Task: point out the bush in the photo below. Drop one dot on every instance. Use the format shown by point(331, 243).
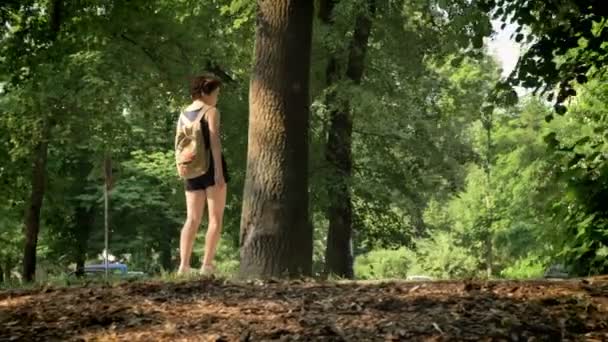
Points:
point(438, 256)
point(525, 268)
point(383, 264)
point(441, 256)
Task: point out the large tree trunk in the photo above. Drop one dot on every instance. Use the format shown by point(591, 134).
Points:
point(32, 215)
point(276, 234)
point(339, 253)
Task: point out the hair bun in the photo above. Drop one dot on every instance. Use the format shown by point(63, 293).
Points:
point(206, 87)
point(204, 84)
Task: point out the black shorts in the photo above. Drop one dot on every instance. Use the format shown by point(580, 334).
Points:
point(208, 179)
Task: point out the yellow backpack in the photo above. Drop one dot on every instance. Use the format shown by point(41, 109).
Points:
point(192, 156)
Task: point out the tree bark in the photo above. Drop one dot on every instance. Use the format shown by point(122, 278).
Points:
point(8, 267)
point(165, 244)
point(85, 218)
point(488, 239)
point(276, 233)
point(32, 215)
point(339, 252)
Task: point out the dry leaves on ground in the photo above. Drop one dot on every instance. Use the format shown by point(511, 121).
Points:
point(215, 310)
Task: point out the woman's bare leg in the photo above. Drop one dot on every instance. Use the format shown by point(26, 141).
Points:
point(216, 202)
point(195, 205)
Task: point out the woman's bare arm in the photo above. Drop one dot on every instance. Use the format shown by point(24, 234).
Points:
point(213, 117)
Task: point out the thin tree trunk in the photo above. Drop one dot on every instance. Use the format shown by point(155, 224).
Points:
point(32, 215)
point(489, 256)
point(8, 267)
point(339, 252)
point(165, 244)
point(276, 233)
point(85, 218)
point(1, 274)
point(489, 253)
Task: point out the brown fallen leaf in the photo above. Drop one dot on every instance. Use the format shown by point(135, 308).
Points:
point(223, 310)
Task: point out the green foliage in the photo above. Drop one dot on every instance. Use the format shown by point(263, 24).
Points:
point(407, 99)
point(445, 257)
point(108, 84)
point(438, 256)
point(581, 166)
point(439, 170)
point(384, 264)
point(545, 203)
point(525, 268)
point(507, 213)
point(567, 43)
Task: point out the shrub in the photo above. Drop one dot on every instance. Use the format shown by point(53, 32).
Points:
point(441, 256)
point(383, 264)
point(525, 268)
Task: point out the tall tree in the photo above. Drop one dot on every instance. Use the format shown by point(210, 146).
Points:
point(276, 234)
point(38, 180)
point(382, 119)
point(338, 150)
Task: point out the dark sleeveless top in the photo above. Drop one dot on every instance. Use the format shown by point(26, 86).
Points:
point(208, 179)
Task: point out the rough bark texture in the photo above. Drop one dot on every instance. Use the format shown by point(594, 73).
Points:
point(339, 253)
point(276, 234)
point(32, 215)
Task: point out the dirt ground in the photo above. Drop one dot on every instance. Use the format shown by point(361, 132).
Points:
point(217, 310)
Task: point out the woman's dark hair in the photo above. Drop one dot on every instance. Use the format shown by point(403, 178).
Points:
point(204, 84)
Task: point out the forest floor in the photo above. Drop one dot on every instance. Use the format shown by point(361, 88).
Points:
point(217, 310)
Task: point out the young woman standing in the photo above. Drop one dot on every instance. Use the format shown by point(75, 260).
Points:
point(211, 187)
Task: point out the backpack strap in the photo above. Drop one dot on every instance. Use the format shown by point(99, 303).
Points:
point(202, 112)
point(184, 119)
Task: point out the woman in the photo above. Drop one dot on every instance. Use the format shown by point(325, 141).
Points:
point(211, 186)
